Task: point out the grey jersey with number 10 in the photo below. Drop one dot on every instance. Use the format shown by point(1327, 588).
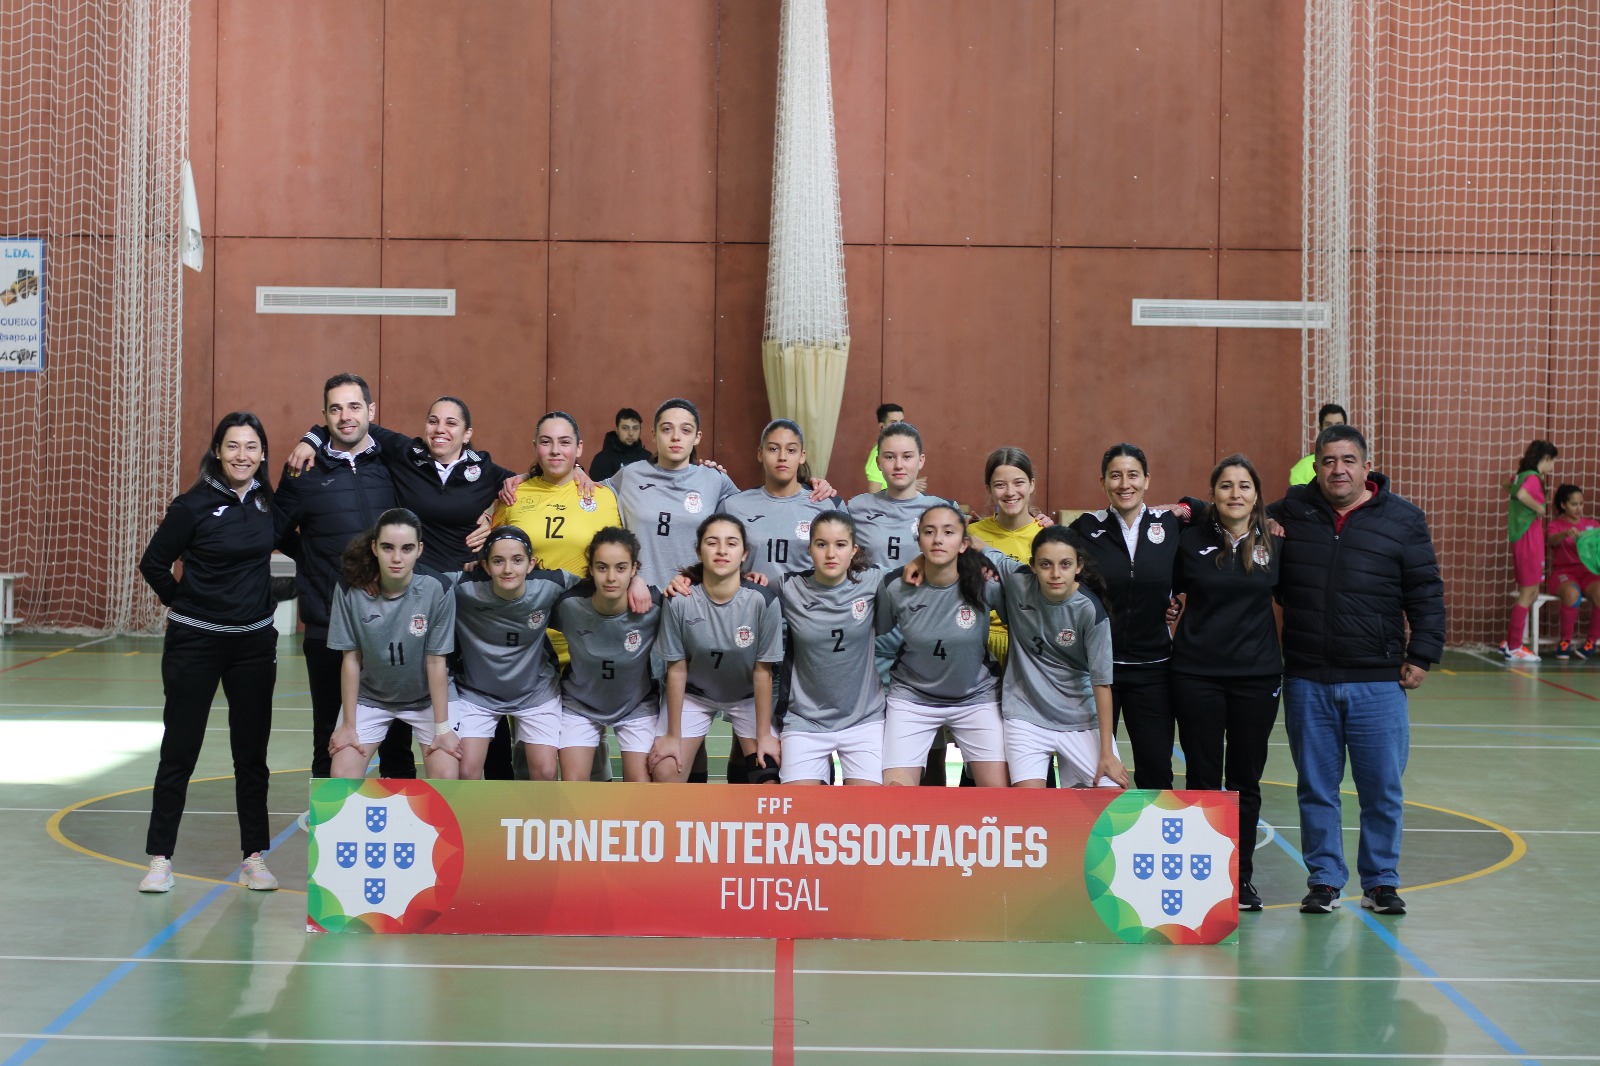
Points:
point(830, 681)
point(887, 529)
point(778, 529)
point(722, 642)
point(394, 637)
point(944, 660)
point(663, 508)
point(505, 659)
point(608, 679)
point(1059, 651)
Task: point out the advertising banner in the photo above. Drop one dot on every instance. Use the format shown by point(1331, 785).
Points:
point(593, 859)
point(21, 304)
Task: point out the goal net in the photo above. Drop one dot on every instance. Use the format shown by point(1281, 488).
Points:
point(1452, 210)
point(93, 128)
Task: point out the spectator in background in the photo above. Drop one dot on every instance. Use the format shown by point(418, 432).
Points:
point(1570, 579)
point(621, 447)
point(888, 415)
point(1305, 471)
point(1525, 518)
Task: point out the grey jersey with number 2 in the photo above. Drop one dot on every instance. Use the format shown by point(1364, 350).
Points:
point(944, 660)
point(395, 637)
point(1059, 651)
point(608, 679)
point(830, 681)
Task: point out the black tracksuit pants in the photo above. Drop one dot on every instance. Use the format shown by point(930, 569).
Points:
point(1224, 724)
point(1140, 699)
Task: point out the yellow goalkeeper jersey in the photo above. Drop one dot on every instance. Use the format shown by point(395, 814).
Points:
point(559, 521)
point(1017, 543)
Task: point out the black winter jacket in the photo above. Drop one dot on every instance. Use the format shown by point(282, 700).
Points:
point(1348, 596)
point(615, 455)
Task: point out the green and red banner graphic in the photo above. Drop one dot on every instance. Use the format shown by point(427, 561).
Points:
point(590, 859)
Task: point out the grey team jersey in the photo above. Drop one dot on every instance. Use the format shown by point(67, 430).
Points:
point(663, 508)
point(608, 678)
point(394, 637)
point(778, 528)
point(1059, 651)
point(830, 682)
point(887, 529)
point(505, 660)
point(722, 642)
point(944, 661)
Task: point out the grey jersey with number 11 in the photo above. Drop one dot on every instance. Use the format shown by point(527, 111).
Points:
point(1059, 651)
point(830, 681)
point(395, 637)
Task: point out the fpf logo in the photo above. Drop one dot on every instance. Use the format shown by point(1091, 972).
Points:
point(1159, 870)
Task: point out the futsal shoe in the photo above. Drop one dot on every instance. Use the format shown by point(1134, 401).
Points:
point(159, 879)
point(1585, 652)
point(1383, 899)
point(1519, 654)
point(1564, 650)
point(1249, 898)
point(253, 874)
point(1322, 899)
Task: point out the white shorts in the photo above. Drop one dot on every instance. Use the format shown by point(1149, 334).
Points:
point(1029, 747)
point(909, 729)
point(633, 734)
point(538, 724)
point(697, 718)
point(806, 755)
point(372, 723)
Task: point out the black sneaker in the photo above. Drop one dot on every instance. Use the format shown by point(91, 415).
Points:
point(1564, 650)
point(1322, 899)
point(1249, 898)
point(1384, 899)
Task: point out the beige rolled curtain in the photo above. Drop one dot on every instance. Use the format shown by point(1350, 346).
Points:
point(806, 383)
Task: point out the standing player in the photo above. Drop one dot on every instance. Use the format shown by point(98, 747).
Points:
point(942, 676)
point(1570, 580)
point(219, 631)
point(777, 516)
point(1525, 515)
point(395, 627)
point(608, 680)
point(886, 521)
point(720, 643)
point(1008, 476)
point(506, 667)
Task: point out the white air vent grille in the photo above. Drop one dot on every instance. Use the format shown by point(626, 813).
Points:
point(1234, 314)
point(324, 300)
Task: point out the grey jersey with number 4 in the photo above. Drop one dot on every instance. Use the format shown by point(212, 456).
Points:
point(663, 508)
point(830, 682)
point(394, 637)
point(505, 660)
point(608, 678)
point(944, 660)
point(1059, 651)
point(887, 529)
point(722, 642)
point(778, 529)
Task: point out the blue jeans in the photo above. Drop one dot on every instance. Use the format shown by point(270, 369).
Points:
point(1369, 720)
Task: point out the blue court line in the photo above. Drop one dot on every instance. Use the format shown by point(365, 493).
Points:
point(151, 946)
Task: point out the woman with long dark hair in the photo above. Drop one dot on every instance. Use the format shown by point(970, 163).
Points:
point(219, 632)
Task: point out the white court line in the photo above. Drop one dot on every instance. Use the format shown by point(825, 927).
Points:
point(529, 1045)
point(1484, 747)
point(799, 971)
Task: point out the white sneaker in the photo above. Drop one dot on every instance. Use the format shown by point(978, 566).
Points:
point(1523, 655)
point(159, 879)
point(253, 874)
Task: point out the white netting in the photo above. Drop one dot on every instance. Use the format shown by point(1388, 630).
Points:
point(93, 127)
point(1452, 210)
point(806, 339)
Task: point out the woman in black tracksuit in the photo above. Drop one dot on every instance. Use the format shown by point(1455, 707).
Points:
point(1227, 667)
point(219, 631)
point(1134, 548)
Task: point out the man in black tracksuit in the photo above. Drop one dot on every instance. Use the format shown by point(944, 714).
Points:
point(1359, 570)
point(342, 495)
point(622, 446)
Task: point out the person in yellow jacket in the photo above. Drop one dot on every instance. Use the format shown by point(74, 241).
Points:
point(1305, 471)
point(1008, 476)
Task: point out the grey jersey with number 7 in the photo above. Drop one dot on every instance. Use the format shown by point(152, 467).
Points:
point(608, 679)
point(505, 660)
point(1059, 651)
point(830, 682)
point(722, 642)
point(395, 637)
point(944, 660)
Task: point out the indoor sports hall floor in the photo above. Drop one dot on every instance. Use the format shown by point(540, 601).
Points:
point(1496, 962)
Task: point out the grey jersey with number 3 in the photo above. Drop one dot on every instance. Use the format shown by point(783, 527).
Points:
point(830, 682)
point(887, 529)
point(722, 642)
point(944, 660)
point(505, 659)
point(663, 508)
point(778, 529)
point(394, 637)
point(1059, 651)
point(608, 679)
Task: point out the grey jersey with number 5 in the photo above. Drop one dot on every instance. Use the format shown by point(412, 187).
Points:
point(394, 637)
point(887, 529)
point(722, 642)
point(608, 679)
point(830, 682)
point(1059, 651)
point(505, 660)
point(778, 529)
point(663, 508)
point(944, 661)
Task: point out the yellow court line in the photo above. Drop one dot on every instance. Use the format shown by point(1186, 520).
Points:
point(1442, 670)
point(1519, 847)
point(53, 827)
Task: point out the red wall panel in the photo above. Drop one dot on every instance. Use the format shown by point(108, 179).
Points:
point(1258, 370)
point(1263, 58)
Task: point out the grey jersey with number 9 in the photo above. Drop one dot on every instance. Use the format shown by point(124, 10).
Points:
point(830, 681)
point(505, 659)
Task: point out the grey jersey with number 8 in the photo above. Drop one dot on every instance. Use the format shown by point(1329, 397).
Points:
point(1059, 651)
point(608, 679)
point(663, 508)
point(944, 661)
point(722, 642)
point(830, 681)
point(394, 637)
point(505, 659)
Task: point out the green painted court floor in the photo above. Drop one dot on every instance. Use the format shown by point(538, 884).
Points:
point(1497, 961)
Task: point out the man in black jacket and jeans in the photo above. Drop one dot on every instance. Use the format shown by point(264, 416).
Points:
point(1358, 569)
point(340, 496)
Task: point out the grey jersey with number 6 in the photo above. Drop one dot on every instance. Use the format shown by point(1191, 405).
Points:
point(778, 529)
point(830, 682)
point(663, 508)
point(944, 661)
point(1059, 651)
point(505, 659)
point(722, 642)
point(887, 529)
point(394, 637)
point(608, 680)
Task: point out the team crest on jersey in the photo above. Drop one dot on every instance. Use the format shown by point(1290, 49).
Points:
point(803, 530)
point(419, 624)
point(590, 505)
point(473, 472)
point(632, 640)
point(1260, 555)
point(966, 616)
point(744, 637)
point(261, 505)
point(1156, 533)
point(858, 609)
point(536, 619)
point(692, 503)
point(1066, 638)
